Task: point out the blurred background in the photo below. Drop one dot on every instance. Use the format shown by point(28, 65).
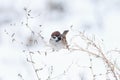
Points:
point(20, 20)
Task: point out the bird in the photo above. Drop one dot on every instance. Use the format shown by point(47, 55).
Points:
point(58, 41)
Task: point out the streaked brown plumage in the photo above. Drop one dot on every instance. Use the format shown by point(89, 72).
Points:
point(58, 40)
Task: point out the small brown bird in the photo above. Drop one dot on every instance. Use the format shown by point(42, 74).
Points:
point(58, 41)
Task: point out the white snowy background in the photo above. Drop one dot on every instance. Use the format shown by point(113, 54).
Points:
point(25, 29)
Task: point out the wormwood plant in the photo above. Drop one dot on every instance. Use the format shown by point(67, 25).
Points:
point(93, 48)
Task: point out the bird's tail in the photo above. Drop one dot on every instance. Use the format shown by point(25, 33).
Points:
point(65, 32)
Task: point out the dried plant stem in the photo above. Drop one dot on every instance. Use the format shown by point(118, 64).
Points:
point(64, 72)
point(110, 64)
point(103, 57)
point(31, 59)
point(91, 68)
point(99, 50)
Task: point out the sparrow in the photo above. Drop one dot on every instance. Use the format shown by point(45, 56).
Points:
point(58, 41)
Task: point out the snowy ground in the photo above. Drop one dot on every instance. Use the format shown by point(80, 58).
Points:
point(25, 29)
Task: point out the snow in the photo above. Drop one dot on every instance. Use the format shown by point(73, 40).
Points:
point(22, 51)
